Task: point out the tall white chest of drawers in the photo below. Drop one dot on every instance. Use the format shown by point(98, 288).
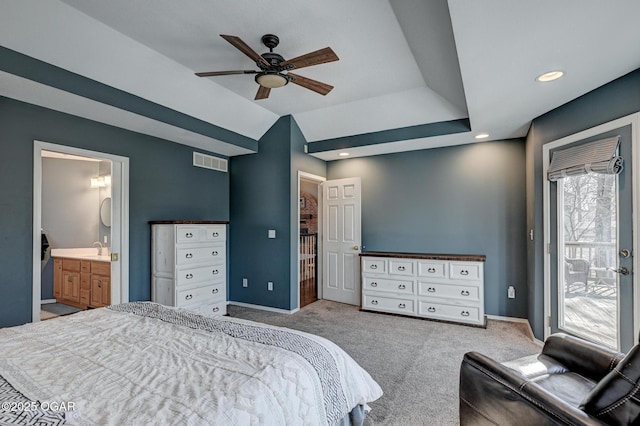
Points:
point(443, 287)
point(189, 265)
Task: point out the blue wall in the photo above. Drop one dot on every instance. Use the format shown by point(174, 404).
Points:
point(163, 185)
point(264, 196)
point(614, 100)
point(466, 200)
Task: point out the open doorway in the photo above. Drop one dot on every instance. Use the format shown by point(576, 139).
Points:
point(308, 232)
point(80, 247)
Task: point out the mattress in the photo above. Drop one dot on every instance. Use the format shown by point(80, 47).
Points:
point(144, 363)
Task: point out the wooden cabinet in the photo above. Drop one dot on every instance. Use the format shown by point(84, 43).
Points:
point(443, 287)
point(82, 283)
point(188, 265)
point(57, 278)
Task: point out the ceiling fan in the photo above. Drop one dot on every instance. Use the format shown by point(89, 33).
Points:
point(274, 70)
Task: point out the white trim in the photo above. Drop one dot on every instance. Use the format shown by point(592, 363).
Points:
point(120, 269)
point(319, 180)
point(632, 120)
point(264, 308)
point(47, 301)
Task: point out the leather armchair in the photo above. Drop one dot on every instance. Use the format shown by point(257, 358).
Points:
point(571, 382)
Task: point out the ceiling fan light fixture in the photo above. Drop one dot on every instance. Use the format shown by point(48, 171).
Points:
point(271, 80)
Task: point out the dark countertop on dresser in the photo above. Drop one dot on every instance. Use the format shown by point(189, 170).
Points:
point(431, 256)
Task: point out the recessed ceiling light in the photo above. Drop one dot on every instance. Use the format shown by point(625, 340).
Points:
point(344, 154)
point(482, 135)
point(550, 76)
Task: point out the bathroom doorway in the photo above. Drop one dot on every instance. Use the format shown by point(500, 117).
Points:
point(80, 223)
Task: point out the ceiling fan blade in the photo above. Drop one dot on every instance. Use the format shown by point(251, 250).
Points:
point(321, 56)
point(244, 48)
point(263, 93)
point(310, 84)
point(214, 73)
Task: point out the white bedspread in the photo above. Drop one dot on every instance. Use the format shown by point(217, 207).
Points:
point(143, 363)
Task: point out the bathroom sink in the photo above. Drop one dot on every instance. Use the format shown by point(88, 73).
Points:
point(88, 253)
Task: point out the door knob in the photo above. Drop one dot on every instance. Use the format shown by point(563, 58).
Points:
point(356, 247)
point(621, 271)
point(625, 253)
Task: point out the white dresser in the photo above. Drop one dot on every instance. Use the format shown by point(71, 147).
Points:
point(443, 287)
point(189, 265)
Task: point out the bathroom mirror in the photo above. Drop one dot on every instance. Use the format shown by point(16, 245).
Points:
point(105, 212)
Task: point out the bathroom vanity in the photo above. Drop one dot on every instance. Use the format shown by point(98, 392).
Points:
point(81, 280)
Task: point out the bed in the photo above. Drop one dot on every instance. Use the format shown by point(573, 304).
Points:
point(145, 363)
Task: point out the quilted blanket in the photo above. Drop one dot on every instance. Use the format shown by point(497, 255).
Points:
point(144, 363)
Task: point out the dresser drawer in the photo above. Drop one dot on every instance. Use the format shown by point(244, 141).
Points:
point(427, 308)
point(218, 308)
point(209, 254)
point(200, 274)
point(388, 304)
point(465, 271)
point(388, 285)
point(432, 269)
point(461, 292)
point(402, 267)
point(189, 234)
point(215, 233)
point(198, 295)
point(374, 266)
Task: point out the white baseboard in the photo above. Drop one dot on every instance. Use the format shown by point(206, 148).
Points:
point(518, 320)
point(264, 308)
point(47, 301)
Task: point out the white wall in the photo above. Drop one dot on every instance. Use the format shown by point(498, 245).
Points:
point(70, 207)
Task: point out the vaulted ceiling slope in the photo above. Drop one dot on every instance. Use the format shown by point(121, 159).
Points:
point(412, 74)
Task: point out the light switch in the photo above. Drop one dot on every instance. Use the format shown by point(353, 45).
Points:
point(272, 233)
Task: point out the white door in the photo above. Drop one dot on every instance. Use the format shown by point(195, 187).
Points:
point(341, 240)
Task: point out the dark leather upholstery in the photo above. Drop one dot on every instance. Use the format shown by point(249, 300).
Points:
point(571, 382)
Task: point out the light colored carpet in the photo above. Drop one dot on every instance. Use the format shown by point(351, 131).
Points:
point(416, 362)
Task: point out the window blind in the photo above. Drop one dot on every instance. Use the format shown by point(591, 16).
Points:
point(599, 156)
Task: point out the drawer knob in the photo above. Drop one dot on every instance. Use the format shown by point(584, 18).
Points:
point(373, 267)
point(215, 234)
point(374, 284)
point(188, 255)
point(431, 309)
point(402, 286)
point(216, 309)
point(464, 292)
point(188, 297)
point(402, 306)
point(374, 302)
point(431, 290)
point(189, 276)
point(214, 253)
point(464, 272)
point(401, 268)
point(188, 235)
point(215, 272)
point(464, 313)
point(214, 291)
point(431, 270)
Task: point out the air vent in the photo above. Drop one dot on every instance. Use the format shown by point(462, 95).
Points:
point(209, 162)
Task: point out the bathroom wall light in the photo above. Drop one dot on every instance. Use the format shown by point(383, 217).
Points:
point(101, 181)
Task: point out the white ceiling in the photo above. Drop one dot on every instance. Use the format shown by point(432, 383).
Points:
point(402, 62)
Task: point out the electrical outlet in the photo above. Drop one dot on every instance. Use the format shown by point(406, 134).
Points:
point(245, 282)
point(511, 292)
point(270, 286)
